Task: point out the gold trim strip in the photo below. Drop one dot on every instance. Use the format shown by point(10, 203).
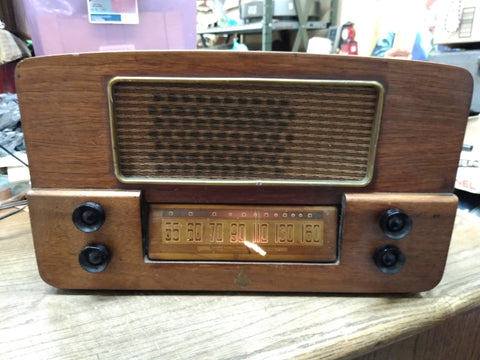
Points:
point(256, 182)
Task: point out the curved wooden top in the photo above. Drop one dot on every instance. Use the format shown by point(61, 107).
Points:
point(64, 107)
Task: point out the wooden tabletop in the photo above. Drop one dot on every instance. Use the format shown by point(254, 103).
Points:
point(41, 322)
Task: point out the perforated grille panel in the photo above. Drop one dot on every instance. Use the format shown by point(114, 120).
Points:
point(243, 130)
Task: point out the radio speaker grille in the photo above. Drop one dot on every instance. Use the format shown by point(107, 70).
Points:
point(181, 130)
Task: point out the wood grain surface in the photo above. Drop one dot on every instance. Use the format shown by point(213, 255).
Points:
point(64, 107)
point(454, 339)
point(41, 322)
point(58, 243)
point(64, 102)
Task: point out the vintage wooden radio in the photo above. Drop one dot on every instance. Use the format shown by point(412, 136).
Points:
point(242, 171)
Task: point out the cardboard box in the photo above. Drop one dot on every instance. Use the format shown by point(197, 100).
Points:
point(468, 175)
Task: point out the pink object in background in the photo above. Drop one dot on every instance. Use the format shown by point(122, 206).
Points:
point(62, 27)
point(123, 5)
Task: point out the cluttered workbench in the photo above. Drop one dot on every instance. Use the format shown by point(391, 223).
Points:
point(42, 322)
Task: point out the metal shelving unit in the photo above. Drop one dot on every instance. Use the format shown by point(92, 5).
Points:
point(269, 25)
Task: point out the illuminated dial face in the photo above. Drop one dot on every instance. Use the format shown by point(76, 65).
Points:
point(345, 34)
point(195, 232)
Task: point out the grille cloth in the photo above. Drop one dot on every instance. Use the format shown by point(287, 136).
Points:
point(243, 130)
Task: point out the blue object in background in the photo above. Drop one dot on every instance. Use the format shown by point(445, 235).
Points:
point(239, 46)
point(386, 42)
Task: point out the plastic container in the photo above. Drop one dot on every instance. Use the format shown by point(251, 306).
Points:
point(62, 27)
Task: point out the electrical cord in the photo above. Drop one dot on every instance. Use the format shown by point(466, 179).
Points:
point(12, 212)
point(16, 157)
point(12, 204)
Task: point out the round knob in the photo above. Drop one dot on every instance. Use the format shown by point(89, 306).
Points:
point(94, 258)
point(389, 259)
point(88, 217)
point(395, 223)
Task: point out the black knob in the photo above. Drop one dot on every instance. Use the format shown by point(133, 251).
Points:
point(94, 258)
point(389, 259)
point(88, 217)
point(395, 223)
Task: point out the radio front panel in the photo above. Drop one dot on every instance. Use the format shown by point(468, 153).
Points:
point(242, 171)
point(354, 255)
